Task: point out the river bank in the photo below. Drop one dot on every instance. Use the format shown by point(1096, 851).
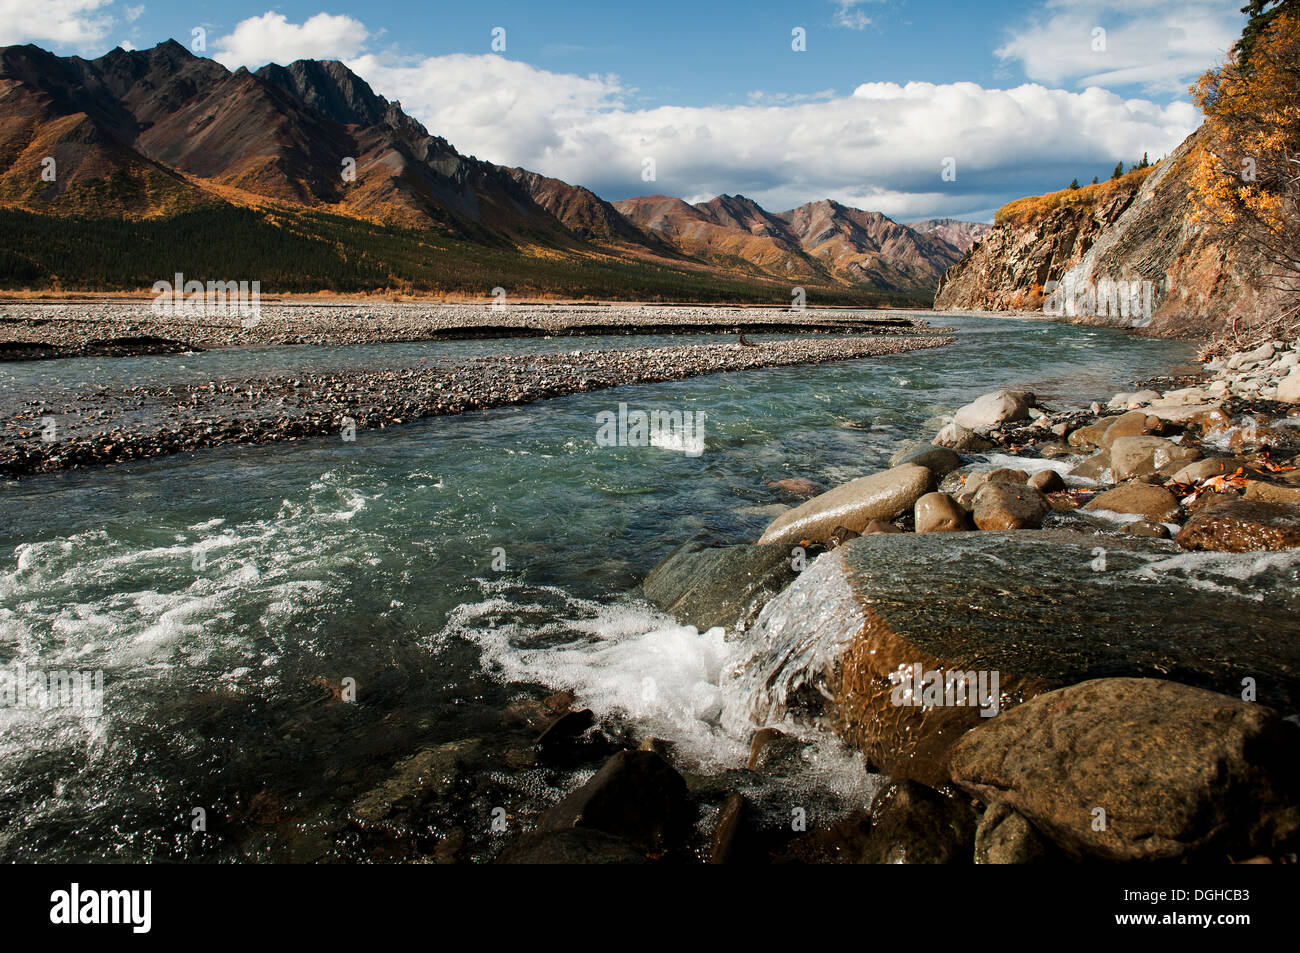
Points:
point(1126, 687)
point(461, 571)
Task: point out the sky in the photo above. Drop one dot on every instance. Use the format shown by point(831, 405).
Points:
point(915, 108)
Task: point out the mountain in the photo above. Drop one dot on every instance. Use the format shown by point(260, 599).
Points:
point(165, 137)
point(817, 241)
point(1134, 230)
point(858, 246)
point(960, 235)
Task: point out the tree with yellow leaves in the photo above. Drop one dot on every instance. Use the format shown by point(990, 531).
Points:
point(1246, 176)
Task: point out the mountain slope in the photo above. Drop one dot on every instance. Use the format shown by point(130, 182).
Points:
point(158, 134)
point(1138, 229)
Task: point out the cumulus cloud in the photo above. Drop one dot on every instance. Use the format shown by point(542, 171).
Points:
point(882, 147)
point(76, 23)
point(1154, 44)
point(271, 38)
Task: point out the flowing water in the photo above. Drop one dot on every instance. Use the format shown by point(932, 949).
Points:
point(448, 568)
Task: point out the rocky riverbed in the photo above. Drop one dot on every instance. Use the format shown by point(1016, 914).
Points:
point(1059, 633)
point(55, 432)
point(31, 331)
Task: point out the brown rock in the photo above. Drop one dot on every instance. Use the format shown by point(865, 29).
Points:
point(731, 817)
point(878, 526)
point(1135, 456)
point(1179, 772)
point(1242, 526)
point(1004, 837)
point(1000, 506)
point(1088, 437)
point(798, 486)
point(1047, 481)
point(1154, 502)
point(853, 505)
point(1135, 423)
point(939, 513)
point(1148, 529)
point(1096, 468)
point(1272, 492)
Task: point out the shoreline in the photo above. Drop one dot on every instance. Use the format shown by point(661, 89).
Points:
point(55, 331)
point(268, 410)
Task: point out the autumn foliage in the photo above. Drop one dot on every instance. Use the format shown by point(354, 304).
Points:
point(1034, 208)
point(1246, 175)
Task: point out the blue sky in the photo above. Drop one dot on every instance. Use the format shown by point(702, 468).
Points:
point(1019, 96)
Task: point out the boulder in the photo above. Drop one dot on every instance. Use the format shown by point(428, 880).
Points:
point(961, 439)
point(879, 526)
point(939, 513)
point(1179, 772)
point(1135, 423)
point(706, 586)
point(1242, 526)
point(1000, 506)
point(1137, 456)
point(990, 410)
point(1088, 437)
point(852, 505)
point(938, 460)
point(636, 796)
point(1153, 502)
point(1042, 610)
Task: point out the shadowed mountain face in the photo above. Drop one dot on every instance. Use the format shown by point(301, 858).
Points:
point(155, 133)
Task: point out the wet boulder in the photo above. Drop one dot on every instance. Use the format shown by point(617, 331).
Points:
point(938, 460)
point(915, 824)
point(853, 505)
point(1015, 614)
point(706, 586)
point(1142, 499)
point(1137, 456)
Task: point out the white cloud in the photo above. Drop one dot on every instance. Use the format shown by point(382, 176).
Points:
point(848, 15)
point(1159, 46)
point(76, 23)
point(879, 148)
point(133, 13)
point(271, 38)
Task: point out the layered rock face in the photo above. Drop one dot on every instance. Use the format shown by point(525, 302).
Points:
point(1142, 238)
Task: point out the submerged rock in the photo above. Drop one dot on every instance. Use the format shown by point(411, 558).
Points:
point(636, 796)
point(1140, 769)
point(879, 496)
point(915, 824)
point(707, 586)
